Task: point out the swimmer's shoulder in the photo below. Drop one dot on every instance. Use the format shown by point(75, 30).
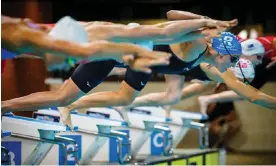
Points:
point(190, 48)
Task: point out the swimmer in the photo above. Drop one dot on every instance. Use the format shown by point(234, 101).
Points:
point(89, 75)
point(222, 53)
point(21, 36)
point(202, 82)
point(262, 53)
point(181, 62)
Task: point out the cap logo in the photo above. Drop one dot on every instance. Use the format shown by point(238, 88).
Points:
point(243, 65)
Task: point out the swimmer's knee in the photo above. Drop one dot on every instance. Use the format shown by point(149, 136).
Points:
point(126, 99)
point(64, 99)
point(126, 94)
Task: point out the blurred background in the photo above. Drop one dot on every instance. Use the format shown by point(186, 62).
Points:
point(254, 143)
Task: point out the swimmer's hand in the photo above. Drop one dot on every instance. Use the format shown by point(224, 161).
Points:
point(226, 25)
point(143, 61)
point(221, 25)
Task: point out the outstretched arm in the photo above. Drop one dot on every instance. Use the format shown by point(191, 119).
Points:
point(171, 96)
point(184, 15)
point(162, 31)
point(246, 91)
point(20, 38)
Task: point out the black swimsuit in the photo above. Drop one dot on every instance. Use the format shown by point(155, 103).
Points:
point(176, 66)
point(89, 75)
point(137, 80)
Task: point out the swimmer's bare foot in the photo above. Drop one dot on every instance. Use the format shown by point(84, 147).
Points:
point(203, 102)
point(123, 113)
point(65, 116)
point(82, 111)
point(167, 111)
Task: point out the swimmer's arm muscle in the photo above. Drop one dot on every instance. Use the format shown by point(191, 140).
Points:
point(228, 77)
point(41, 42)
point(92, 51)
point(184, 38)
point(153, 33)
point(182, 15)
point(248, 92)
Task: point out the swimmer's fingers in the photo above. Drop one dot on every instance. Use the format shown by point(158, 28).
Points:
point(145, 70)
point(234, 22)
point(157, 62)
point(139, 65)
point(226, 25)
point(210, 23)
point(128, 59)
point(144, 64)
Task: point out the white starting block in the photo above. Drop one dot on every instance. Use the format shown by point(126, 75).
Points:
point(32, 141)
point(182, 121)
point(94, 133)
point(148, 137)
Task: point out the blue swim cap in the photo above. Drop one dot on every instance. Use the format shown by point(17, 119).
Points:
point(227, 44)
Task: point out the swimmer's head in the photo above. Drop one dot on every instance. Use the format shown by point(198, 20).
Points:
point(70, 30)
point(253, 50)
point(244, 70)
point(226, 49)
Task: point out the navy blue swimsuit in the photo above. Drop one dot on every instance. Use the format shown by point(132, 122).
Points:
point(89, 75)
point(176, 66)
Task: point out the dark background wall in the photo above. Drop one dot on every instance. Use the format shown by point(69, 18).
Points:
point(250, 12)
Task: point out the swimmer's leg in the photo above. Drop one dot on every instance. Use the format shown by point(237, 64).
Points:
point(123, 97)
point(63, 96)
point(87, 77)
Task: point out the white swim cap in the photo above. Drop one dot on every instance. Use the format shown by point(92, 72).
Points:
point(145, 44)
point(69, 29)
point(247, 69)
point(133, 24)
point(252, 47)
